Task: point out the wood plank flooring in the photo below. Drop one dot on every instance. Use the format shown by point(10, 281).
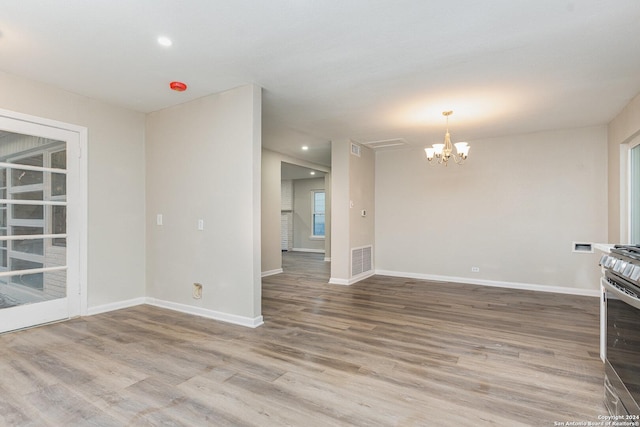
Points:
point(382, 352)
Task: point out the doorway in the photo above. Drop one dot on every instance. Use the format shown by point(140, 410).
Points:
point(42, 219)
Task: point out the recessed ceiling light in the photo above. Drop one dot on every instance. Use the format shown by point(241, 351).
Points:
point(164, 41)
point(305, 148)
point(312, 173)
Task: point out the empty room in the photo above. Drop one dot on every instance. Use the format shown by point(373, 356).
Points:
point(355, 213)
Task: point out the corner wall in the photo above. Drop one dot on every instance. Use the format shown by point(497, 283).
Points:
point(204, 163)
point(116, 169)
point(352, 191)
point(512, 210)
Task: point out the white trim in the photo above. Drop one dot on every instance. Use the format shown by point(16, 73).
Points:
point(183, 308)
point(32, 202)
point(210, 314)
point(33, 236)
point(91, 311)
point(83, 216)
point(271, 272)
point(494, 283)
point(31, 168)
point(10, 273)
point(77, 187)
point(315, 251)
point(354, 279)
point(327, 259)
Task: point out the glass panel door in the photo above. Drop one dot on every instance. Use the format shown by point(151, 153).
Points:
point(34, 266)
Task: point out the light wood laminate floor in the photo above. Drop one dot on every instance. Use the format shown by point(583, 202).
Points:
point(382, 352)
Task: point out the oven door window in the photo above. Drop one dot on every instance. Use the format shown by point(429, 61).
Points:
point(634, 195)
point(623, 343)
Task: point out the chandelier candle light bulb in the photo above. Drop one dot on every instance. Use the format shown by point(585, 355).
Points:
point(443, 152)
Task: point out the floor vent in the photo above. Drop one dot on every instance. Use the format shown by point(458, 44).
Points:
point(361, 260)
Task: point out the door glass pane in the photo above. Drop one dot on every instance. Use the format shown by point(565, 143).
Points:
point(29, 280)
point(27, 211)
point(59, 180)
point(31, 246)
point(20, 177)
point(59, 224)
point(3, 250)
point(35, 186)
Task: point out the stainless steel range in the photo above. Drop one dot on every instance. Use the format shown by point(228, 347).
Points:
point(621, 281)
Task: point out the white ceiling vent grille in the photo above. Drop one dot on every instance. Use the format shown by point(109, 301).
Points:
point(361, 260)
point(386, 143)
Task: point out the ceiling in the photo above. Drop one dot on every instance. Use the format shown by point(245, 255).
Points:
point(291, 171)
point(369, 70)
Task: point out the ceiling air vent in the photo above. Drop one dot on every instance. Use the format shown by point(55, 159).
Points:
point(386, 143)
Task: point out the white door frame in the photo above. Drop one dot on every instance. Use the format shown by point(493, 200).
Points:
point(29, 125)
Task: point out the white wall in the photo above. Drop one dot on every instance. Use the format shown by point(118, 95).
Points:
point(622, 130)
point(116, 232)
point(302, 214)
point(513, 210)
point(204, 162)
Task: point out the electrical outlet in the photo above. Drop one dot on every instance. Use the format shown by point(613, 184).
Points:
point(197, 291)
point(475, 269)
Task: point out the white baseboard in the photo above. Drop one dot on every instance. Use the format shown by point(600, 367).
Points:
point(210, 314)
point(315, 251)
point(351, 281)
point(494, 283)
point(115, 306)
point(271, 272)
point(183, 308)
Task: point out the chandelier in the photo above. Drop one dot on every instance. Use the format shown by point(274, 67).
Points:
point(444, 152)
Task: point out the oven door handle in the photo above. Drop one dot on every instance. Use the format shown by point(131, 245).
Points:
point(634, 302)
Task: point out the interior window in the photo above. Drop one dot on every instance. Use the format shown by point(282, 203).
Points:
point(318, 213)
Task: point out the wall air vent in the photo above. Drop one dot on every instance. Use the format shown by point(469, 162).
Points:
point(361, 260)
point(355, 149)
